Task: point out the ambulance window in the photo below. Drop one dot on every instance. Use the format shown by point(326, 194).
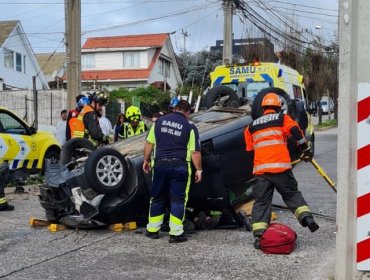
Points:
point(256, 87)
point(297, 92)
point(11, 125)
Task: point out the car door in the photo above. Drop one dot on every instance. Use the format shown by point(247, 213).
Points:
point(16, 142)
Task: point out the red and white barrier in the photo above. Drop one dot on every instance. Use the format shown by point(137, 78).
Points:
point(363, 177)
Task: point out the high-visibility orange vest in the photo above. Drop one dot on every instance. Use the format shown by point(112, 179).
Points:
point(72, 121)
point(79, 130)
point(267, 136)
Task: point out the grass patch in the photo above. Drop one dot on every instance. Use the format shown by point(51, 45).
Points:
point(327, 124)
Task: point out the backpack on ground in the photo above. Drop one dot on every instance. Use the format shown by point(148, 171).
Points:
point(278, 239)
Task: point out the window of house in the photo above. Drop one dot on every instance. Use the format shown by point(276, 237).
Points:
point(131, 60)
point(164, 67)
point(88, 60)
point(14, 60)
point(8, 58)
point(24, 64)
point(18, 62)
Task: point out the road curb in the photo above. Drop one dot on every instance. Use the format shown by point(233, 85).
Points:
point(325, 128)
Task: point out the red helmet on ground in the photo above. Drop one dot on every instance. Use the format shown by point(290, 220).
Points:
point(271, 100)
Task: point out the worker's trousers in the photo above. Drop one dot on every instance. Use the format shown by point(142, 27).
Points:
point(171, 178)
point(263, 191)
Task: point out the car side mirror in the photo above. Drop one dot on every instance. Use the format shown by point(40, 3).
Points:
point(33, 130)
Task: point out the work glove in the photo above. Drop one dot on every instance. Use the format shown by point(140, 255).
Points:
point(307, 154)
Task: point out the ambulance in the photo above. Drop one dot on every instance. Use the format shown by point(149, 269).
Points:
point(236, 85)
point(248, 80)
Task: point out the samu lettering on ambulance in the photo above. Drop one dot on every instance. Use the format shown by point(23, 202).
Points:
point(242, 70)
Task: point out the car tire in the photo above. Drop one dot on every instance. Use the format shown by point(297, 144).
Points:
point(99, 172)
point(257, 109)
point(213, 96)
point(69, 150)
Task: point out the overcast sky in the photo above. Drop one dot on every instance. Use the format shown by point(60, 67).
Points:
point(43, 20)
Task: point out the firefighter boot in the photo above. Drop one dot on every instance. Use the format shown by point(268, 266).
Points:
point(178, 238)
point(152, 235)
point(310, 223)
point(257, 244)
point(6, 207)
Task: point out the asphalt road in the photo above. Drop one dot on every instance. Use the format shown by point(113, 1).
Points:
point(35, 253)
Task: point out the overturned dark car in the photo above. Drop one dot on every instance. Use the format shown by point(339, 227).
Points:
point(96, 187)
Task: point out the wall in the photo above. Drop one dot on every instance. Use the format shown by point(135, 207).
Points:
point(50, 103)
point(114, 60)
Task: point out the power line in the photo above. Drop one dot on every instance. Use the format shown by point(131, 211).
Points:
point(299, 5)
point(134, 23)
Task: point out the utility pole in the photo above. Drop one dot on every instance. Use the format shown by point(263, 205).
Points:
point(185, 34)
point(73, 49)
point(227, 54)
point(354, 57)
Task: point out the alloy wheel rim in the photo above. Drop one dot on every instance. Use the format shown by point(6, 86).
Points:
point(109, 170)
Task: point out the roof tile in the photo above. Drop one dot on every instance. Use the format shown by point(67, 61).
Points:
point(146, 40)
point(115, 74)
point(6, 27)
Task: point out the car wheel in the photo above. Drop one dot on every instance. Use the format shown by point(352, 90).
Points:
point(221, 96)
point(288, 103)
point(105, 170)
point(75, 148)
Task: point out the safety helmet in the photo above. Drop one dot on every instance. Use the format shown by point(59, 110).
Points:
point(99, 97)
point(271, 100)
point(83, 101)
point(133, 113)
point(174, 101)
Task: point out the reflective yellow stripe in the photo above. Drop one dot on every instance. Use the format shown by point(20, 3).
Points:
point(175, 226)
point(2, 200)
point(271, 165)
point(301, 210)
point(259, 226)
point(268, 143)
point(155, 223)
point(78, 134)
point(267, 133)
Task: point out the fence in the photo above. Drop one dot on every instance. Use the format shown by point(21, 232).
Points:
point(50, 103)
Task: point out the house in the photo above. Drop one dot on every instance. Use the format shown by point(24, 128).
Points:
point(17, 60)
point(53, 66)
point(129, 62)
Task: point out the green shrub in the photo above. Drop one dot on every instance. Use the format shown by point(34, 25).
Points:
point(152, 100)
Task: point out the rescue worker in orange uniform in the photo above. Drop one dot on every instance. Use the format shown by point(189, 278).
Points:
point(81, 101)
point(88, 123)
point(267, 136)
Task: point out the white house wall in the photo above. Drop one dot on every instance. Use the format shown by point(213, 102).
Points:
point(12, 77)
point(174, 80)
point(114, 60)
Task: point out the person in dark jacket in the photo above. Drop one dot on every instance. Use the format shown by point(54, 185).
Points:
point(174, 141)
point(118, 126)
